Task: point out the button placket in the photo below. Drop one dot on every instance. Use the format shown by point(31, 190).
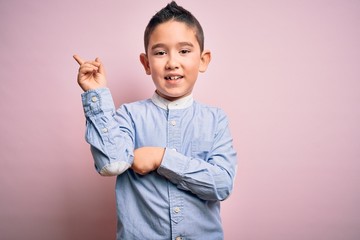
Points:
point(175, 198)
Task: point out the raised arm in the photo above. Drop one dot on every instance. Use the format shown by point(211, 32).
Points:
point(109, 134)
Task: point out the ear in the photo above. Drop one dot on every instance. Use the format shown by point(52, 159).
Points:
point(205, 59)
point(145, 62)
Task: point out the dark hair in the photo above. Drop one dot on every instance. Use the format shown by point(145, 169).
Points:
point(172, 11)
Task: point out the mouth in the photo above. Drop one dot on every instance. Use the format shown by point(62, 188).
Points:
point(173, 77)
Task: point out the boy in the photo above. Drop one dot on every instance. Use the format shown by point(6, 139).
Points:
point(173, 157)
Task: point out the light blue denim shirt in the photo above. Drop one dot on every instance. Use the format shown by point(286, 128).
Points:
point(181, 199)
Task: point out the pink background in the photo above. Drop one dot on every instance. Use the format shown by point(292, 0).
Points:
point(286, 72)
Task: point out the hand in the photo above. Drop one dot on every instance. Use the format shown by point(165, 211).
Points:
point(147, 159)
point(91, 74)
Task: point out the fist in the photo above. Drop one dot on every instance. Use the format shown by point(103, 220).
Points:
point(147, 159)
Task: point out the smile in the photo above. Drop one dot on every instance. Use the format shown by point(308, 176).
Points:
point(173, 77)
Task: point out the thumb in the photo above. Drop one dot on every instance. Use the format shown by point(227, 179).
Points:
point(101, 67)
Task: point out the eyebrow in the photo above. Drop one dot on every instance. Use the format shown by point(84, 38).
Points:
point(189, 44)
point(181, 44)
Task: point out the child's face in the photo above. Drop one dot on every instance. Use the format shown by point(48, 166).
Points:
point(174, 59)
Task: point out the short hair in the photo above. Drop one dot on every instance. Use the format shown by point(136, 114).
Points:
point(172, 11)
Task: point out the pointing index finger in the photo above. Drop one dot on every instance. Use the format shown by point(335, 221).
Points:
point(78, 59)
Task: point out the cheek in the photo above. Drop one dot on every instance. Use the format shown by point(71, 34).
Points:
point(193, 69)
point(156, 64)
point(194, 63)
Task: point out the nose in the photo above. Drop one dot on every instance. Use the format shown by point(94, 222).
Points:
point(172, 62)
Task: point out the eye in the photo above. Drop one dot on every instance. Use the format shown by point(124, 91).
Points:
point(160, 53)
point(184, 51)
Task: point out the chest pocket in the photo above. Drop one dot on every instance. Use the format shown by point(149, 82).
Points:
point(201, 149)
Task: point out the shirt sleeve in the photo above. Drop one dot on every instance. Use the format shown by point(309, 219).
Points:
point(209, 180)
point(108, 132)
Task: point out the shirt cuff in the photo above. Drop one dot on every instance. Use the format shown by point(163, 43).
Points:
point(97, 101)
point(173, 165)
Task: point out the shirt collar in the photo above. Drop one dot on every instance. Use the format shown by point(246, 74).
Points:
point(163, 103)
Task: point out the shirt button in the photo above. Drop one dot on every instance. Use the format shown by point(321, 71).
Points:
point(177, 210)
point(94, 99)
point(173, 122)
point(104, 130)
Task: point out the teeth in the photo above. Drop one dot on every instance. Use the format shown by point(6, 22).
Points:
point(173, 78)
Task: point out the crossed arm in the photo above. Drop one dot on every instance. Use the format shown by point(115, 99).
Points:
point(212, 180)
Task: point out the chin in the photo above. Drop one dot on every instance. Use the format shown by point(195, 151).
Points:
point(176, 95)
point(171, 94)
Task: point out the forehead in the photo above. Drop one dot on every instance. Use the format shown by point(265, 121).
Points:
point(172, 32)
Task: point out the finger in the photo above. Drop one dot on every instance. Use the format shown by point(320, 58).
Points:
point(88, 69)
point(101, 66)
point(78, 59)
point(91, 63)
